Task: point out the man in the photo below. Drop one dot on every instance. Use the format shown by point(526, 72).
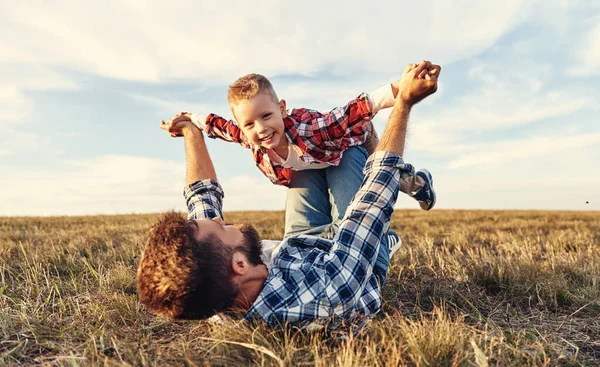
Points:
point(199, 267)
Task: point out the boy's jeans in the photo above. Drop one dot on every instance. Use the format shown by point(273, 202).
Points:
point(317, 199)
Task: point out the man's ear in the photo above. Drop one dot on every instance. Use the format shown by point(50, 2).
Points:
point(282, 108)
point(239, 263)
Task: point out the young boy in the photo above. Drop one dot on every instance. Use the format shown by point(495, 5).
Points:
point(283, 140)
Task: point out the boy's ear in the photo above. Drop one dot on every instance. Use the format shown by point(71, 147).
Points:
point(282, 108)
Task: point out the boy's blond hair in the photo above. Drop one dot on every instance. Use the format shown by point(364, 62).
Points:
point(248, 86)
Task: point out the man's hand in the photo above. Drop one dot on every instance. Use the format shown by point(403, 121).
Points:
point(423, 75)
point(418, 82)
point(198, 163)
point(177, 124)
point(424, 71)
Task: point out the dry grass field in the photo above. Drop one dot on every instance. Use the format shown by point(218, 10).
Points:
point(468, 288)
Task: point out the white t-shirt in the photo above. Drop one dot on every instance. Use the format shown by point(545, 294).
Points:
point(293, 160)
point(270, 249)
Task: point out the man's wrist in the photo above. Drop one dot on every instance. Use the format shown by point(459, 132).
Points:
point(403, 103)
point(190, 129)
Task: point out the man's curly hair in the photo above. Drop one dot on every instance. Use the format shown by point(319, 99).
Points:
point(181, 278)
point(248, 86)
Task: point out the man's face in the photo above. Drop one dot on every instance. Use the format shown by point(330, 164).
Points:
point(242, 238)
point(261, 120)
point(229, 235)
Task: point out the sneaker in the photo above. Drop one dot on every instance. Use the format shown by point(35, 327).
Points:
point(394, 243)
point(426, 194)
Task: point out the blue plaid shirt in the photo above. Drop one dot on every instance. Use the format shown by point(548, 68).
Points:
point(314, 278)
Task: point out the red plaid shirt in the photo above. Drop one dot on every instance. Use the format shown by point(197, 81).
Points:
point(321, 137)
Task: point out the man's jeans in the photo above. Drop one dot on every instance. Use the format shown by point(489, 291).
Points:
point(317, 199)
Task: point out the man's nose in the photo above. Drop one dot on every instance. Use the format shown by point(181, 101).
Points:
point(218, 220)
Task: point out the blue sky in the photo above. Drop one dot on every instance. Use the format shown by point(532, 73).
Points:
point(514, 124)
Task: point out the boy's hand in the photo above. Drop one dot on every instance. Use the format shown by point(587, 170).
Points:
point(177, 124)
point(418, 82)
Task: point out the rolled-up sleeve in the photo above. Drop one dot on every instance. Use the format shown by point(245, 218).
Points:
point(204, 199)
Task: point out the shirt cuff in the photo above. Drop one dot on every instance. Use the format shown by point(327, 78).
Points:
point(201, 187)
point(381, 98)
point(198, 120)
point(385, 159)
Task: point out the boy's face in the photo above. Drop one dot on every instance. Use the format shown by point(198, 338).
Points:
point(261, 120)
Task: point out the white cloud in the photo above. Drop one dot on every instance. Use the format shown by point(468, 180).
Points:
point(135, 41)
point(169, 107)
point(504, 153)
point(589, 54)
point(514, 94)
point(17, 80)
point(15, 106)
point(550, 173)
point(249, 193)
point(502, 97)
point(212, 43)
point(120, 184)
point(555, 172)
point(505, 110)
point(14, 141)
point(109, 184)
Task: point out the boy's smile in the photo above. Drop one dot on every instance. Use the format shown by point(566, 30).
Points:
point(261, 120)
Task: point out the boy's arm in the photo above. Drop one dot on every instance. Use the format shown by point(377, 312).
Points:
point(340, 122)
point(347, 121)
point(384, 96)
point(380, 98)
point(215, 127)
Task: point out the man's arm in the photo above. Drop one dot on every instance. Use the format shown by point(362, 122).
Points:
point(357, 242)
point(199, 166)
point(417, 83)
point(203, 193)
point(394, 136)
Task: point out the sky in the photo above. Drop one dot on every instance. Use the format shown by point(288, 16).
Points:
point(84, 85)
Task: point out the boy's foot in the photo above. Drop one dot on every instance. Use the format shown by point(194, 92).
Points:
point(426, 194)
point(371, 143)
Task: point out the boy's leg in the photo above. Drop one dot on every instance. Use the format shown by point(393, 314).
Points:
point(307, 208)
point(419, 186)
point(371, 143)
point(344, 181)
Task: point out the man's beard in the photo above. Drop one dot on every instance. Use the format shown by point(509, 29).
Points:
point(251, 245)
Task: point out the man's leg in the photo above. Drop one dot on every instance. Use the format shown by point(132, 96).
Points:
point(307, 208)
